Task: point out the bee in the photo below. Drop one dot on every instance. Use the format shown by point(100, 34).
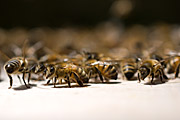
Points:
point(128, 68)
point(92, 55)
point(17, 66)
point(104, 70)
point(95, 56)
point(172, 65)
point(66, 71)
point(151, 68)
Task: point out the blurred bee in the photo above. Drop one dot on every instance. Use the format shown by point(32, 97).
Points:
point(66, 71)
point(92, 55)
point(95, 55)
point(172, 65)
point(151, 68)
point(17, 65)
point(104, 70)
point(128, 68)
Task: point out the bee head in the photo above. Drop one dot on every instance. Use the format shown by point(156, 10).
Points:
point(10, 68)
point(40, 68)
point(144, 72)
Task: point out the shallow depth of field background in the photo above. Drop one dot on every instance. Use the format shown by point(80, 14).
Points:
point(64, 26)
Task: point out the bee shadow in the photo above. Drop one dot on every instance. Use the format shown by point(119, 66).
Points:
point(1, 80)
point(156, 82)
point(37, 79)
point(133, 79)
point(73, 86)
point(23, 87)
point(105, 82)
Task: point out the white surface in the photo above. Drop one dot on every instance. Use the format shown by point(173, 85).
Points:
point(126, 100)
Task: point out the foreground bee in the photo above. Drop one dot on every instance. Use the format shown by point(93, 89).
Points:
point(17, 66)
point(151, 68)
point(66, 71)
point(128, 68)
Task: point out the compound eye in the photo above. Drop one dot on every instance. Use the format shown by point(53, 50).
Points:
point(42, 66)
point(52, 69)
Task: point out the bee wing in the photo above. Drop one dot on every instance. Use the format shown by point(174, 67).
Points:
point(4, 55)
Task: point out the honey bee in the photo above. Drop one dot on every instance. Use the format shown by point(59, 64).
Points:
point(128, 68)
point(95, 56)
point(173, 64)
point(66, 71)
point(17, 66)
point(151, 68)
point(104, 70)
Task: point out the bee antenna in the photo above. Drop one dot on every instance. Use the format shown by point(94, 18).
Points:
point(4, 55)
point(24, 49)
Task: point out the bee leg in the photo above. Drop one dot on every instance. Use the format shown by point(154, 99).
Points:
point(77, 79)
point(55, 79)
point(60, 81)
point(89, 74)
point(152, 78)
point(99, 73)
point(68, 81)
point(11, 81)
point(163, 74)
point(24, 80)
point(48, 82)
point(177, 71)
point(19, 79)
point(139, 78)
point(160, 74)
point(29, 76)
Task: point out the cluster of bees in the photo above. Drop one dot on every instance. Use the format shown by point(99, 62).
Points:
point(81, 66)
point(57, 55)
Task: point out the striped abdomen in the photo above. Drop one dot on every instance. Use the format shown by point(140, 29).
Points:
point(128, 70)
point(82, 74)
point(12, 66)
point(108, 71)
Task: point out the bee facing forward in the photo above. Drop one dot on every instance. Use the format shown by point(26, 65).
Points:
point(17, 66)
point(151, 68)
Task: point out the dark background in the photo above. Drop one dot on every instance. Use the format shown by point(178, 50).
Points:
point(57, 13)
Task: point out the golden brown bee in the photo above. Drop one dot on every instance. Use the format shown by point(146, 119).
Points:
point(92, 55)
point(95, 56)
point(151, 68)
point(104, 70)
point(128, 68)
point(173, 64)
point(17, 66)
point(66, 71)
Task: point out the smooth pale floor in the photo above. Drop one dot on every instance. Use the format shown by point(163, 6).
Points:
point(118, 100)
